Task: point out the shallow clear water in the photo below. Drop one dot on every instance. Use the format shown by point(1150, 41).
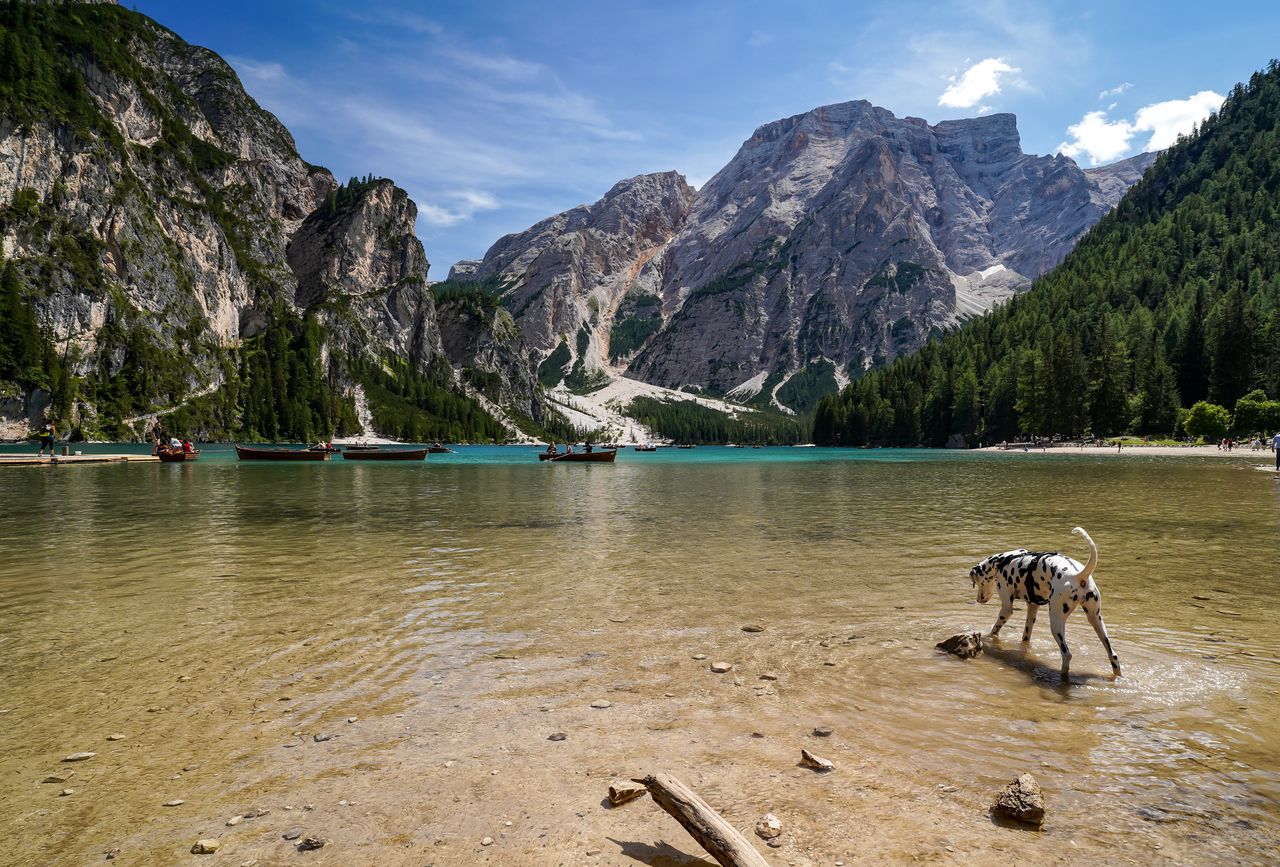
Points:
point(464, 606)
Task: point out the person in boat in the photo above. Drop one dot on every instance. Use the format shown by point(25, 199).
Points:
point(568, 448)
point(589, 447)
point(551, 448)
point(186, 446)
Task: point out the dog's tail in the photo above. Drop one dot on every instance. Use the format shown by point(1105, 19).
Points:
point(1083, 577)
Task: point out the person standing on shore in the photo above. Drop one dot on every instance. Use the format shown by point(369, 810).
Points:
point(47, 437)
point(1275, 447)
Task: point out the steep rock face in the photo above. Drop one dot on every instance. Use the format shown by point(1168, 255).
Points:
point(360, 267)
point(846, 236)
point(160, 200)
point(167, 229)
point(566, 277)
point(484, 343)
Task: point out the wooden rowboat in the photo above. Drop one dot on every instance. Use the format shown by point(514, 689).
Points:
point(385, 454)
point(438, 449)
point(251, 453)
point(600, 456)
point(172, 456)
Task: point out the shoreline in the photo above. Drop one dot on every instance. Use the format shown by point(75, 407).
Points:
point(1159, 451)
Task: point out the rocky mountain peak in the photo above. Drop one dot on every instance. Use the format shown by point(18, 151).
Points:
point(834, 239)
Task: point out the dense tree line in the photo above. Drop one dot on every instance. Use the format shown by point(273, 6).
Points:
point(686, 421)
point(418, 407)
point(1172, 299)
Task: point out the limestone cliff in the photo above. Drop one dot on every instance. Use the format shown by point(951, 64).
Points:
point(845, 236)
point(567, 278)
point(178, 251)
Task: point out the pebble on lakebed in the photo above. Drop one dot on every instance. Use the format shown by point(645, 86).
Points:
point(721, 667)
point(78, 757)
point(206, 847)
point(601, 704)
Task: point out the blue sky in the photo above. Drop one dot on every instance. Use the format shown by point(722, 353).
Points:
point(494, 115)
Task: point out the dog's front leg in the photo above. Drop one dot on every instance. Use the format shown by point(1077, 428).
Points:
point(1032, 610)
point(1093, 610)
point(1058, 625)
point(1006, 609)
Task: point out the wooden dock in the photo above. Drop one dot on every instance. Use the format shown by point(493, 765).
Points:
point(18, 460)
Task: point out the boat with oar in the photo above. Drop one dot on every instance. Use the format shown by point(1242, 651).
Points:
point(439, 449)
point(381, 454)
point(597, 456)
point(255, 453)
point(176, 456)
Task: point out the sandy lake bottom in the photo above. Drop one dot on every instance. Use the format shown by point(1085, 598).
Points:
point(379, 655)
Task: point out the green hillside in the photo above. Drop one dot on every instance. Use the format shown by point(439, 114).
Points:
point(1172, 299)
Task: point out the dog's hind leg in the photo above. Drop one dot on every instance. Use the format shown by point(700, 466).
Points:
point(1032, 610)
point(1093, 610)
point(1058, 625)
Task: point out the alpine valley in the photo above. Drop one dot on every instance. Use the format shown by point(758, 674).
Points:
point(168, 252)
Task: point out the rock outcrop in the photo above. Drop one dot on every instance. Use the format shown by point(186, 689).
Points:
point(360, 266)
point(575, 278)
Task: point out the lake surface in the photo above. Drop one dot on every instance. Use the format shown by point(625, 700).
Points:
point(223, 615)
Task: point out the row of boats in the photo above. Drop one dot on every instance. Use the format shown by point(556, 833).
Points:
point(319, 452)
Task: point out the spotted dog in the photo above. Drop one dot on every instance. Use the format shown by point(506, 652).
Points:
point(1045, 579)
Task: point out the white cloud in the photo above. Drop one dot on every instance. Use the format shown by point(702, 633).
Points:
point(1167, 120)
point(975, 83)
point(1115, 91)
point(1104, 140)
point(466, 204)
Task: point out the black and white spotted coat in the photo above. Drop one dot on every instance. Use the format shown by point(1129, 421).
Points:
point(1050, 579)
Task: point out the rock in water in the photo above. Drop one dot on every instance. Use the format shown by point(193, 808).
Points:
point(752, 627)
point(601, 704)
point(206, 847)
point(312, 842)
point(79, 757)
point(966, 645)
point(1021, 800)
point(818, 763)
point(769, 826)
point(721, 667)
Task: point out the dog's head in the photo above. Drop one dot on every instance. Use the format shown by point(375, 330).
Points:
point(983, 577)
point(984, 574)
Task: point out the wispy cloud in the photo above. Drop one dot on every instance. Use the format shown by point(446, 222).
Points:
point(1103, 140)
point(1115, 91)
point(464, 204)
point(976, 83)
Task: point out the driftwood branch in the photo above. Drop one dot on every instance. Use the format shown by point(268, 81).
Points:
point(721, 840)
